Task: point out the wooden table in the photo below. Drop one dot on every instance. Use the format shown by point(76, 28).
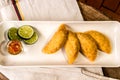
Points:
point(90, 14)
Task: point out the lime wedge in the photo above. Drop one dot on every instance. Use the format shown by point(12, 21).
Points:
point(26, 32)
point(32, 40)
point(12, 34)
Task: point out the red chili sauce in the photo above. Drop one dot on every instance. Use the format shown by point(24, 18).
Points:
point(14, 47)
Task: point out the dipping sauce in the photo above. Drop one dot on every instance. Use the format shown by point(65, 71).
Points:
point(14, 47)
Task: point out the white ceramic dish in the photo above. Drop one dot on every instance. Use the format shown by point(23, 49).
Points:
point(33, 56)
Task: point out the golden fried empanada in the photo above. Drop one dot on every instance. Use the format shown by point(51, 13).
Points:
point(102, 41)
point(88, 46)
point(57, 41)
point(72, 47)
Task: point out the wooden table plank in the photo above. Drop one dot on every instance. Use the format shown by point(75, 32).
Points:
point(90, 14)
point(109, 4)
point(109, 8)
point(3, 77)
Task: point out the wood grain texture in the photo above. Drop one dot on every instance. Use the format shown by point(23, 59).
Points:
point(111, 4)
point(118, 10)
point(95, 3)
point(110, 8)
point(112, 72)
point(90, 14)
point(3, 77)
point(111, 14)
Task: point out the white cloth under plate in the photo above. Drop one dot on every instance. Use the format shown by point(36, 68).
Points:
point(47, 10)
point(46, 74)
point(42, 10)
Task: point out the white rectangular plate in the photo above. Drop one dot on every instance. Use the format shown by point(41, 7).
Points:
point(33, 56)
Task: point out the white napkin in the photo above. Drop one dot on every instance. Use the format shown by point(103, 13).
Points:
point(45, 74)
point(44, 10)
point(32, 73)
